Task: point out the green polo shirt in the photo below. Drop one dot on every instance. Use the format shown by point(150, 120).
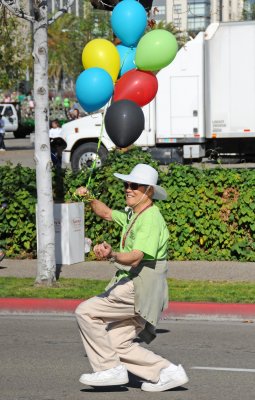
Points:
point(148, 234)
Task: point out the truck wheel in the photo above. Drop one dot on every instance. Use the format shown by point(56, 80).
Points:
point(19, 134)
point(84, 156)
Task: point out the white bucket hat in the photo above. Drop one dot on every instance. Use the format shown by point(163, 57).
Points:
point(146, 175)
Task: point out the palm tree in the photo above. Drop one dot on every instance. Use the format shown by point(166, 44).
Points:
point(60, 47)
point(67, 38)
point(170, 27)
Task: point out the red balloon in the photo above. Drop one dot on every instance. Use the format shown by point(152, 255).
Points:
point(138, 86)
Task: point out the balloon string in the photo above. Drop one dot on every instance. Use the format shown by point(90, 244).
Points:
point(101, 133)
point(98, 147)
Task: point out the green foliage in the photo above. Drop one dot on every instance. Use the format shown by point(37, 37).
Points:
point(65, 289)
point(71, 32)
point(13, 58)
point(17, 211)
point(209, 212)
point(179, 290)
point(170, 27)
point(248, 10)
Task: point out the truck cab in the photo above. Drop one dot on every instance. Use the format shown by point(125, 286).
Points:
point(13, 122)
point(10, 116)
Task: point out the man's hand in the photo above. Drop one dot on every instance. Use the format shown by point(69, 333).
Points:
point(85, 194)
point(102, 250)
point(82, 191)
point(98, 207)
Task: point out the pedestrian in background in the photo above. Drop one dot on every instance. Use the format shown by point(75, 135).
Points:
point(55, 130)
point(2, 255)
point(133, 301)
point(2, 133)
point(74, 114)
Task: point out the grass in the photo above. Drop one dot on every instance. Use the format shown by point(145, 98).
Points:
point(179, 290)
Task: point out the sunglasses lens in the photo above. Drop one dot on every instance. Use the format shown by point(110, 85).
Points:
point(131, 185)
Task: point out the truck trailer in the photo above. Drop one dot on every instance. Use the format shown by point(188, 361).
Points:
point(204, 107)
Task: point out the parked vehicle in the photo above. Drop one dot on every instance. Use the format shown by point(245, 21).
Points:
point(13, 122)
point(205, 105)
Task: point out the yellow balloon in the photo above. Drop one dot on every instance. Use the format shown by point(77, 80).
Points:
point(102, 53)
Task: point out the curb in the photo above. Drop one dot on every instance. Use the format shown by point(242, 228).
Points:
point(174, 310)
point(31, 305)
point(210, 311)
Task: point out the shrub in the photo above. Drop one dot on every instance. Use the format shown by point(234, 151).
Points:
point(17, 211)
point(209, 212)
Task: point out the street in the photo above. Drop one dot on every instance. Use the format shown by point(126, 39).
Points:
point(18, 151)
point(22, 151)
point(42, 358)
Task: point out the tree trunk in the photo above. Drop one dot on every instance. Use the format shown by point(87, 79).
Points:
point(46, 264)
point(38, 16)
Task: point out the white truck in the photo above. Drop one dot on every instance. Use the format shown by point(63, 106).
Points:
point(12, 120)
point(205, 104)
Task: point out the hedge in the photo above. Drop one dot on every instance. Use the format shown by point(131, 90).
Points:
point(209, 212)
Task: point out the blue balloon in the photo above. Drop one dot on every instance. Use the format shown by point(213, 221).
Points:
point(129, 21)
point(94, 88)
point(127, 57)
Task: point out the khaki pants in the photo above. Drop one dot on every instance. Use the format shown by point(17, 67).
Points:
point(108, 325)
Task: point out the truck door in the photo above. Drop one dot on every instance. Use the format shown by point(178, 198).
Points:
point(183, 106)
point(180, 97)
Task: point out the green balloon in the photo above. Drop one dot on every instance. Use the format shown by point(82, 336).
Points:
point(155, 50)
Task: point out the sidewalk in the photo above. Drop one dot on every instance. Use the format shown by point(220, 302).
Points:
point(185, 270)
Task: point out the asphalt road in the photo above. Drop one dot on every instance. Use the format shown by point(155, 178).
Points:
point(42, 358)
point(18, 151)
point(22, 151)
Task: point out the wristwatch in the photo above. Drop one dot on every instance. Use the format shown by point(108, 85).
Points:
point(112, 259)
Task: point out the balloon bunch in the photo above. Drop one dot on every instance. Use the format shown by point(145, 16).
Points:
point(132, 65)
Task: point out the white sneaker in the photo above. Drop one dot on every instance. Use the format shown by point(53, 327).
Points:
point(2, 150)
point(167, 380)
point(109, 377)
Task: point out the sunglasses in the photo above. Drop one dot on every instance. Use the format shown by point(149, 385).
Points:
point(132, 185)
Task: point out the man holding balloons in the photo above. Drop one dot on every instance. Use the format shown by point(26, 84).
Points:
point(132, 305)
point(136, 296)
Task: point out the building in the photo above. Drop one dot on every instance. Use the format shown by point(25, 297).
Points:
point(158, 10)
point(196, 15)
point(77, 8)
point(199, 15)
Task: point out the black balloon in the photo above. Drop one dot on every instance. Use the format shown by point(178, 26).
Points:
point(124, 122)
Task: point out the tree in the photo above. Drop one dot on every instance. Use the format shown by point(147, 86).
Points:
point(248, 10)
point(59, 48)
point(38, 17)
point(13, 60)
point(168, 26)
point(71, 32)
